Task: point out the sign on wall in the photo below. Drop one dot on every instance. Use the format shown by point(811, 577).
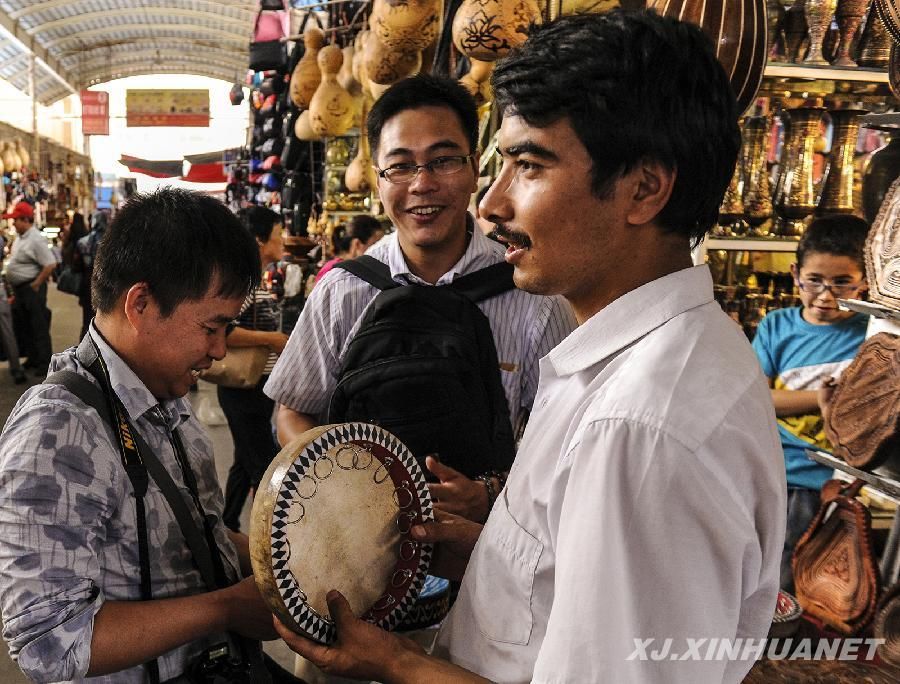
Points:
point(167, 108)
point(94, 112)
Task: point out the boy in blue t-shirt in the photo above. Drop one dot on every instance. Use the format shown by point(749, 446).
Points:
point(800, 348)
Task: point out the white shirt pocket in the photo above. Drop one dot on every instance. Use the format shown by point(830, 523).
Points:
point(504, 577)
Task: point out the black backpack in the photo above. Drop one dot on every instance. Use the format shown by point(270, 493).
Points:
point(423, 365)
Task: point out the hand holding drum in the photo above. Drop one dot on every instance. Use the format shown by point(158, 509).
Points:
point(334, 511)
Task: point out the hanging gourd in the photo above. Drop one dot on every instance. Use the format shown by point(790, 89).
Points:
point(10, 158)
point(346, 77)
point(360, 175)
point(307, 76)
point(302, 128)
point(331, 108)
point(488, 29)
point(477, 80)
point(386, 66)
point(24, 156)
point(406, 25)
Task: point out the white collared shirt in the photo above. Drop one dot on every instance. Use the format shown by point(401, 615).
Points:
point(647, 501)
point(525, 328)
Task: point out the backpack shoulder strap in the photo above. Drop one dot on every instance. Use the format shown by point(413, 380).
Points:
point(486, 283)
point(371, 270)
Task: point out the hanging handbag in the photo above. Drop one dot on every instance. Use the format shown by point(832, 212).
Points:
point(69, 281)
point(835, 572)
point(242, 367)
point(269, 54)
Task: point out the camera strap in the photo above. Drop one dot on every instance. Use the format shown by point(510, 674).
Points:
point(140, 464)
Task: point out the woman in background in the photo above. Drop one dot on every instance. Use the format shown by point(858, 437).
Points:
point(352, 239)
point(249, 411)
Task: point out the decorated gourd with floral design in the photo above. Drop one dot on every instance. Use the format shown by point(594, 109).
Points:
point(406, 25)
point(488, 29)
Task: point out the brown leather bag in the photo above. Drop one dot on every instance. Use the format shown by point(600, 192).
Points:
point(864, 425)
point(835, 571)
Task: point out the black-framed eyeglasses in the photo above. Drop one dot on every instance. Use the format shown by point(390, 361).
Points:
point(441, 166)
point(817, 287)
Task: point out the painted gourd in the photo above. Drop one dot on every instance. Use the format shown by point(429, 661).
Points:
point(406, 25)
point(488, 29)
point(331, 107)
point(307, 76)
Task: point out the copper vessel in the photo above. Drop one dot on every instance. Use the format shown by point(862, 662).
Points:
point(738, 31)
point(818, 19)
point(849, 15)
point(757, 185)
point(875, 43)
point(837, 190)
point(799, 198)
point(731, 212)
point(774, 20)
point(795, 31)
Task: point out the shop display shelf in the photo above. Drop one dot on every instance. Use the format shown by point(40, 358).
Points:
point(829, 73)
point(870, 308)
point(751, 244)
point(887, 486)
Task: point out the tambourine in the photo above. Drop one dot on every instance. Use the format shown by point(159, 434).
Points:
point(334, 511)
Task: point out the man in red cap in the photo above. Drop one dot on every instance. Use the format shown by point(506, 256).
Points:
point(31, 263)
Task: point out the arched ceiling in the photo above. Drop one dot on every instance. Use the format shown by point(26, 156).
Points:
point(82, 42)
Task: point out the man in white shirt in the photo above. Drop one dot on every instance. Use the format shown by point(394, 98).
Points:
point(423, 134)
point(30, 265)
point(639, 534)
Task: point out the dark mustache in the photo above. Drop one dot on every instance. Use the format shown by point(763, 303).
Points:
point(515, 237)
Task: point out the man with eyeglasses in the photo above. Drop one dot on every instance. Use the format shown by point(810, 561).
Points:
point(800, 348)
point(423, 134)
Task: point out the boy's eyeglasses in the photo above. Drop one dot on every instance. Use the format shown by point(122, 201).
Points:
point(442, 166)
point(817, 287)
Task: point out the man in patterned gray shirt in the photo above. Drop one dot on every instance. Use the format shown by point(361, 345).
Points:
point(170, 276)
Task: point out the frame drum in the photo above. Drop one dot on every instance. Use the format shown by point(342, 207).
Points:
point(333, 511)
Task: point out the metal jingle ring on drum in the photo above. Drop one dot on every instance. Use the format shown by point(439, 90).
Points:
point(384, 602)
point(401, 577)
point(385, 465)
point(322, 474)
point(408, 550)
point(291, 509)
point(363, 459)
point(353, 449)
point(405, 522)
point(303, 487)
point(403, 502)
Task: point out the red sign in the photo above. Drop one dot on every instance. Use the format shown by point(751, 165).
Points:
point(94, 112)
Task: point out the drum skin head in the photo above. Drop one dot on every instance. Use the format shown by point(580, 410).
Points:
point(333, 511)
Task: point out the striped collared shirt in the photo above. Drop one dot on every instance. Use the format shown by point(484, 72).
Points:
point(525, 328)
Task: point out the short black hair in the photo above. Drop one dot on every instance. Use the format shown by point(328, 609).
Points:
point(178, 242)
point(361, 227)
point(260, 221)
point(835, 234)
point(423, 90)
point(635, 86)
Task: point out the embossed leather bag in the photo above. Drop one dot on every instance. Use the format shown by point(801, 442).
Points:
point(887, 626)
point(835, 571)
point(864, 426)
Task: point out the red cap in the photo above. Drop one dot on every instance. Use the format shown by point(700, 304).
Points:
point(21, 210)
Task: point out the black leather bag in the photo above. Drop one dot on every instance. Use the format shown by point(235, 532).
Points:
point(268, 54)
